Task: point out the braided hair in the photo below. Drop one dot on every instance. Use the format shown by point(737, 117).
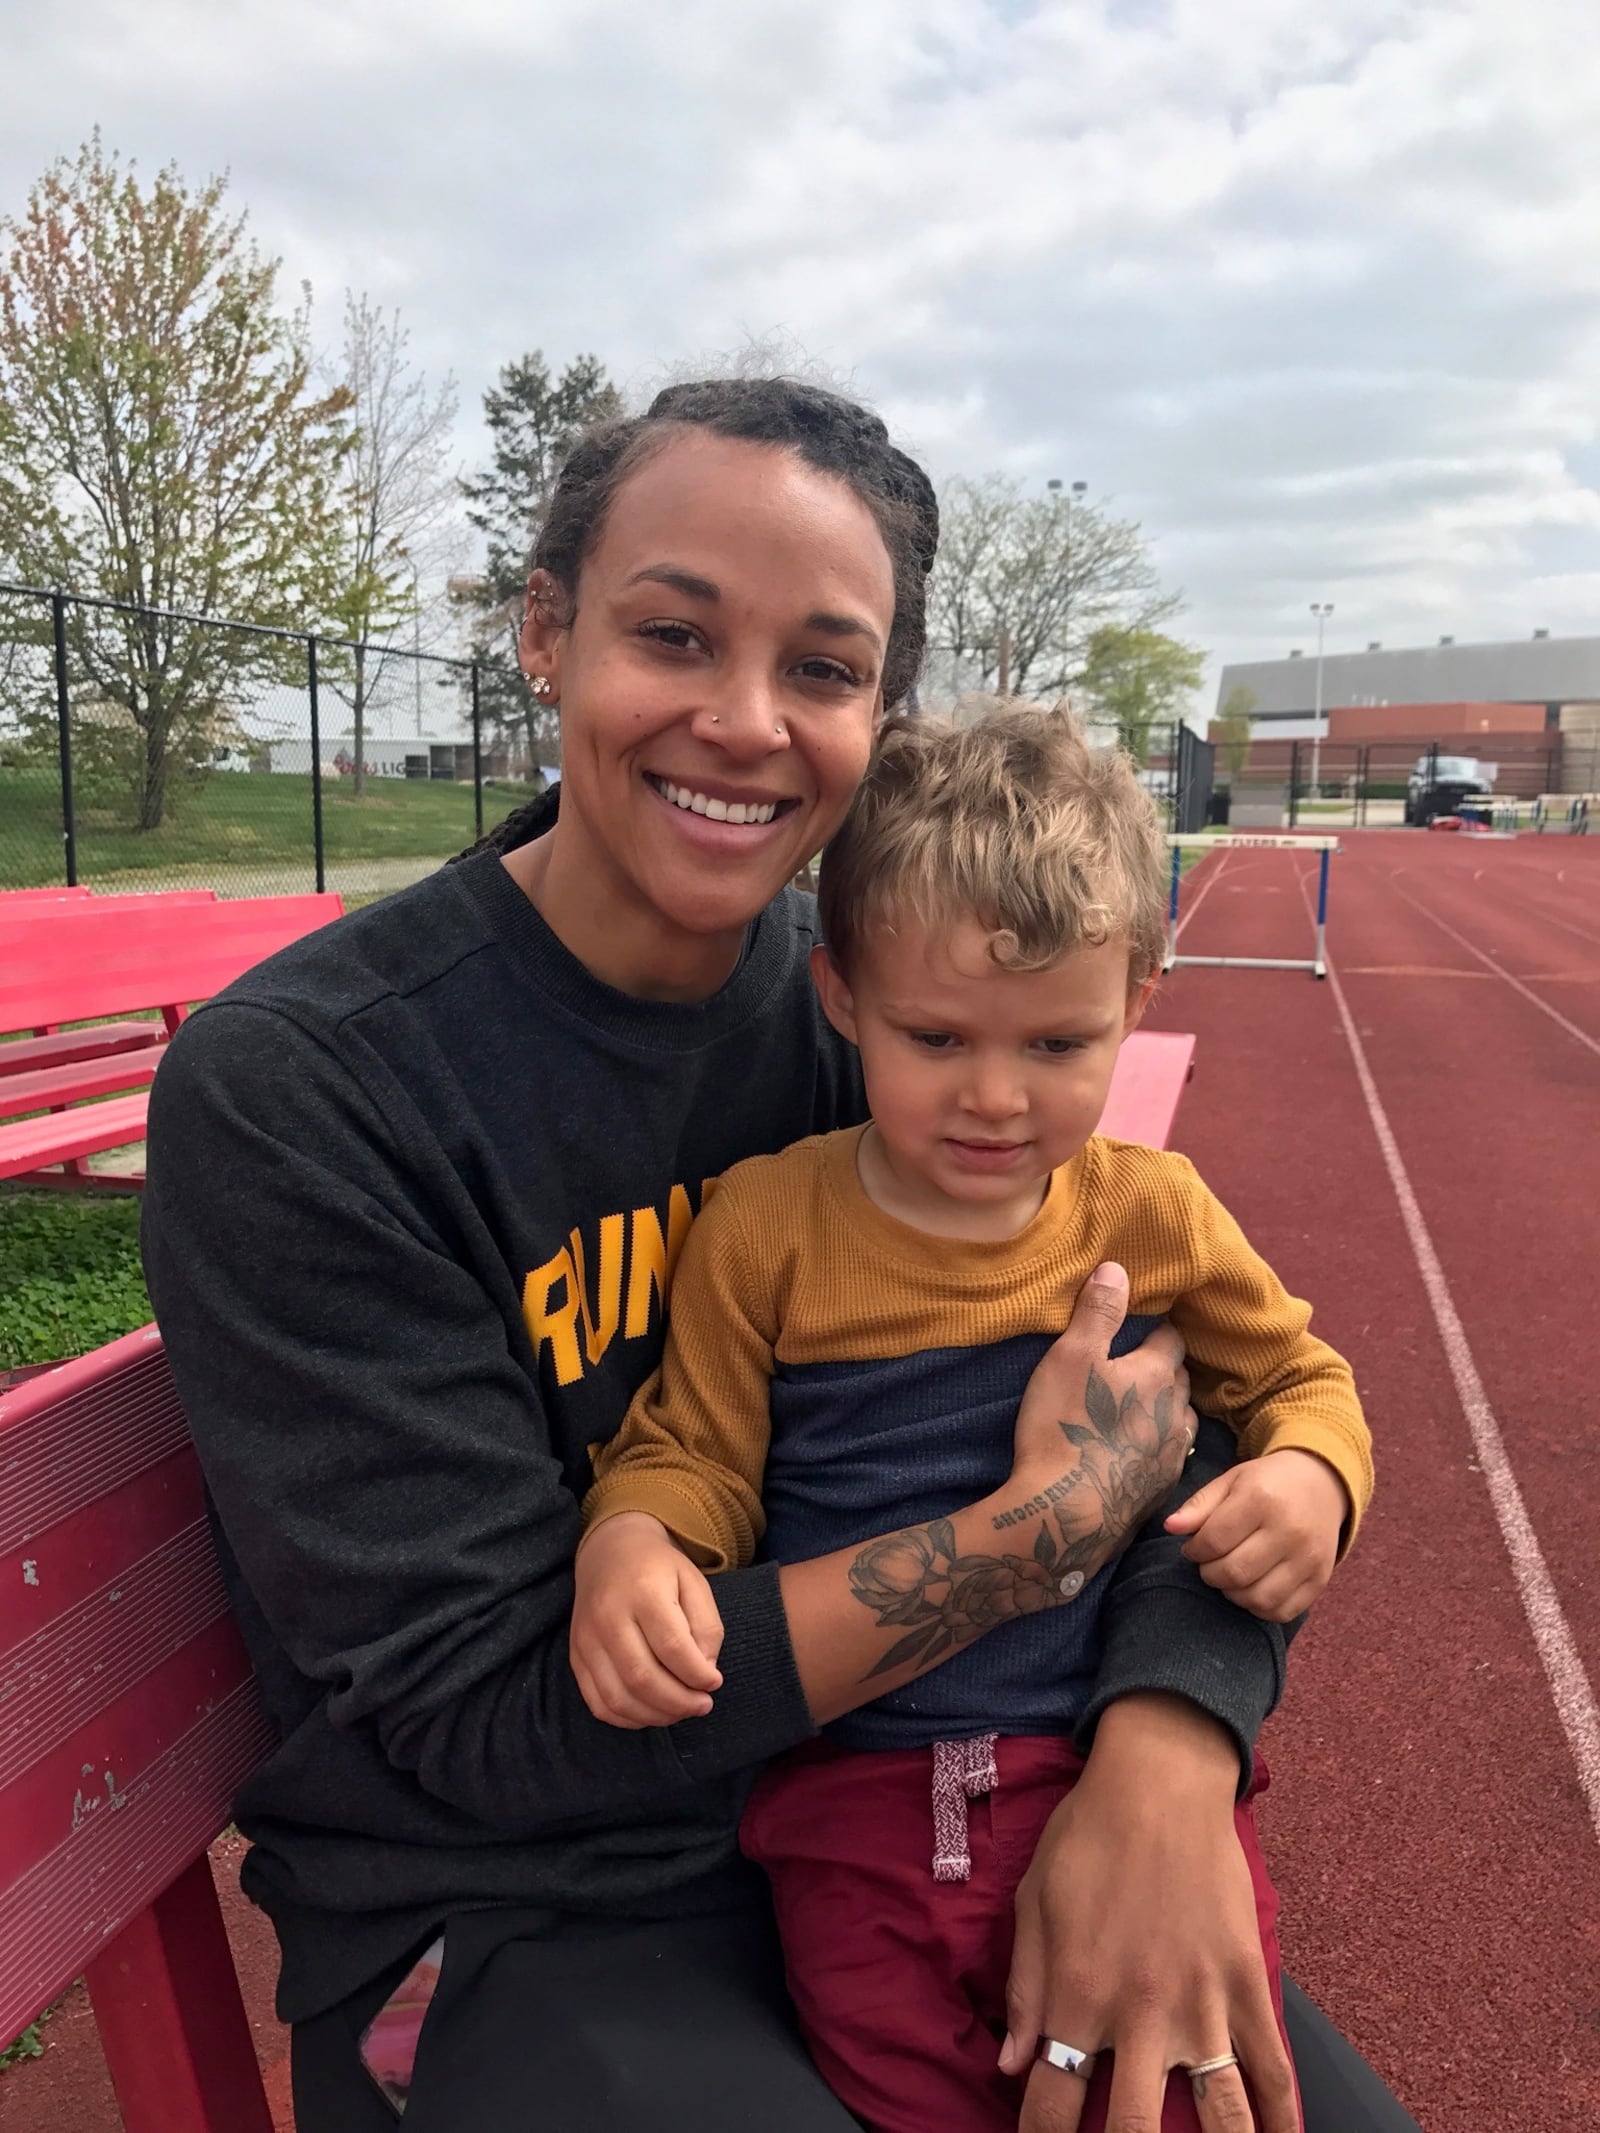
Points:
point(835, 435)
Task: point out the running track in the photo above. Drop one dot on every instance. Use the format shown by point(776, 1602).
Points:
point(1434, 1823)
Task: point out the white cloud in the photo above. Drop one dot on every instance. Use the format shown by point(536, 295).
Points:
point(1313, 291)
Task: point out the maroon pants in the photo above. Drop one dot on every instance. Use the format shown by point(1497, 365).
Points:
point(900, 1979)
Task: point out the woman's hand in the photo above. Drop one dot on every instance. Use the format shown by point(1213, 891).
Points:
point(1098, 1446)
point(1137, 1934)
point(1099, 1443)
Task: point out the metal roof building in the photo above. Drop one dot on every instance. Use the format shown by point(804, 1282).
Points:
point(1540, 670)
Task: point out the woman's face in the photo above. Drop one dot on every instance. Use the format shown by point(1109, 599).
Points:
point(719, 681)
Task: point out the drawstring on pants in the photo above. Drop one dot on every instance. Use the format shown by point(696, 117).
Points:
point(962, 1770)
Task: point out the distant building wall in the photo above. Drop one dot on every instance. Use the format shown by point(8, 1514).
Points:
point(1383, 722)
point(1542, 670)
point(389, 756)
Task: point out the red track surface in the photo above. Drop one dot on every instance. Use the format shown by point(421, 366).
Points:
point(1437, 1856)
point(1436, 1852)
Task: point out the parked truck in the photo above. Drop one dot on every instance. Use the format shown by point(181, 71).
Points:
point(1439, 783)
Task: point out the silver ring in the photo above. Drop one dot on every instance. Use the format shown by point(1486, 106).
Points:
point(1213, 2066)
point(1067, 2057)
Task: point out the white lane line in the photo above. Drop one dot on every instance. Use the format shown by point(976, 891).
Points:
point(1499, 970)
point(1570, 1688)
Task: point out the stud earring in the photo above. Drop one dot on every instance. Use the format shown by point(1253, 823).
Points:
point(540, 685)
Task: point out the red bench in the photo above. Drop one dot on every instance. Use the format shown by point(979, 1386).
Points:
point(100, 958)
point(1153, 1069)
point(131, 1720)
point(49, 903)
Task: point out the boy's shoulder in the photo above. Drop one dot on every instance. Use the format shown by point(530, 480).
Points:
point(780, 1189)
point(1153, 1175)
point(1138, 1160)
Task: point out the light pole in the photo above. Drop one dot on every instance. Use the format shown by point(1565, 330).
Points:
point(1322, 609)
point(1079, 488)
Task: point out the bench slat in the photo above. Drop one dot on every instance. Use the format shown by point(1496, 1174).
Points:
point(76, 1083)
point(64, 1136)
point(139, 900)
point(27, 1055)
point(91, 960)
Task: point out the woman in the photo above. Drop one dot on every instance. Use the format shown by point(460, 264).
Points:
point(416, 1188)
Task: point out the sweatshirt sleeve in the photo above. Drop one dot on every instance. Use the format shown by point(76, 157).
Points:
point(378, 1456)
point(1253, 1360)
point(1163, 1629)
point(692, 1450)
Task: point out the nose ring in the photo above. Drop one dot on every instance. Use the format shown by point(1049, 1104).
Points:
point(778, 730)
point(715, 720)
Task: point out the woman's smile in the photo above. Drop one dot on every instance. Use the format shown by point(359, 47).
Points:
point(716, 800)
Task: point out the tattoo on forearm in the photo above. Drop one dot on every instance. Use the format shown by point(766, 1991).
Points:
point(916, 1581)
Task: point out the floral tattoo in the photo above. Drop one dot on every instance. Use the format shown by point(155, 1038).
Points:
point(916, 1581)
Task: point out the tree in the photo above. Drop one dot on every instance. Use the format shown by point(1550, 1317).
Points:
point(1043, 575)
point(1232, 727)
point(164, 448)
point(1135, 677)
point(394, 491)
point(534, 420)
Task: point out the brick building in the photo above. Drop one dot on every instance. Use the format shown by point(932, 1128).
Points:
point(1532, 709)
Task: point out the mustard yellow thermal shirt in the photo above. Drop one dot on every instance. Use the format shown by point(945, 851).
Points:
point(845, 1367)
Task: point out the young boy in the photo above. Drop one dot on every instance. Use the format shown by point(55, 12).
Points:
point(853, 1322)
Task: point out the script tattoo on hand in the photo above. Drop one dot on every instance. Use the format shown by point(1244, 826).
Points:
point(916, 1581)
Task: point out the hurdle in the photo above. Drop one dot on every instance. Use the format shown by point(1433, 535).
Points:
point(1315, 963)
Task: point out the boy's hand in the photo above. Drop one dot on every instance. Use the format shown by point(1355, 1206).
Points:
point(1267, 1532)
point(645, 1628)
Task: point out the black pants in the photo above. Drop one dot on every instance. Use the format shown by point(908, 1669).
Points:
point(679, 2028)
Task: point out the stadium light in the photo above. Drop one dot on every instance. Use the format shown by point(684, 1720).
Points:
point(1079, 489)
point(1322, 609)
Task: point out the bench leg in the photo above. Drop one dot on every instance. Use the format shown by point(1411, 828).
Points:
point(174, 2029)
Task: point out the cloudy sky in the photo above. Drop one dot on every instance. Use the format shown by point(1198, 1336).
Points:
point(1312, 290)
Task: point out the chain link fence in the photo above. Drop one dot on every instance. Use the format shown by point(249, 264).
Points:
point(143, 749)
point(1400, 783)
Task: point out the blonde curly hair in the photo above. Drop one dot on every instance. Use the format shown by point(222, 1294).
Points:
point(1012, 820)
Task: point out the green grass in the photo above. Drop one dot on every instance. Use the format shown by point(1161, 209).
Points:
point(30, 2045)
point(236, 821)
point(69, 1275)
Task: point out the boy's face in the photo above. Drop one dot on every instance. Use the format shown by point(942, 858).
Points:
point(981, 1081)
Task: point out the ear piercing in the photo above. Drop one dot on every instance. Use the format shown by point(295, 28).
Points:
point(540, 685)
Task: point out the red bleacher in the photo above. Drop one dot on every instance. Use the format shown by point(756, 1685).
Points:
point(86, 960)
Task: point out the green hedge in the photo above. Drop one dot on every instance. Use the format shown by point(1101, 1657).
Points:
point(69, 1275)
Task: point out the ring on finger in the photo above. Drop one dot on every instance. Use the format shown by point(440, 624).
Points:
point(1067, 2056)
point(1219, 2064)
